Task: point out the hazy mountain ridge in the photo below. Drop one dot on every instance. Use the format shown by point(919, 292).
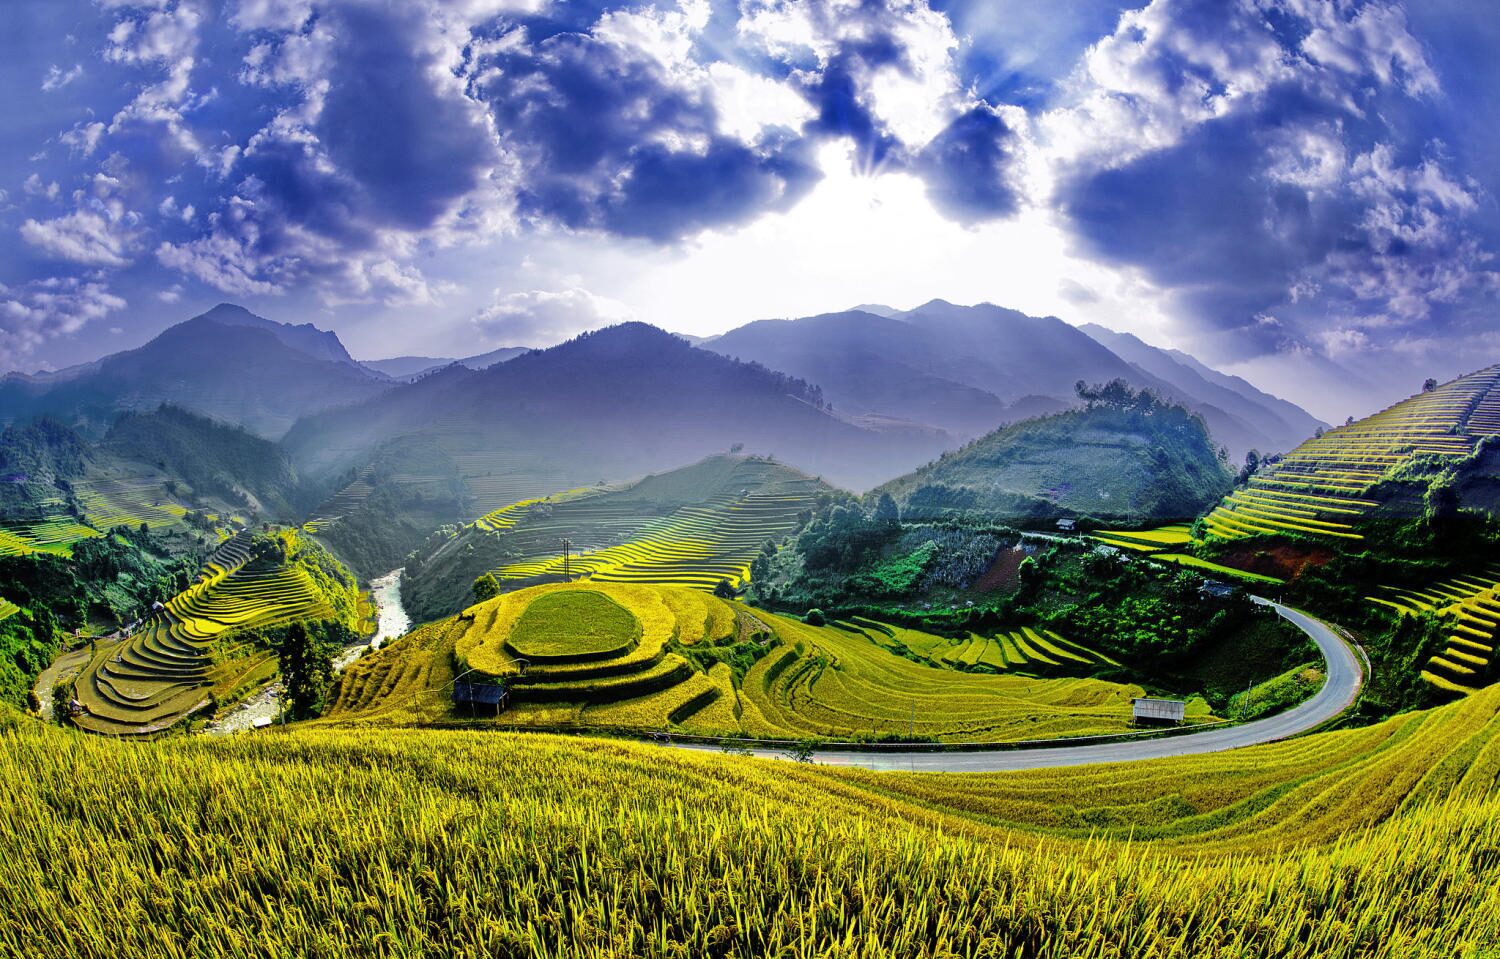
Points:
point(412, 367)
point(617, 402)
point(227, 364)
point(964, 369)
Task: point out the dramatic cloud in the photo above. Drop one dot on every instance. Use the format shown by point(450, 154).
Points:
point(1249, 163)
point(1288, 180)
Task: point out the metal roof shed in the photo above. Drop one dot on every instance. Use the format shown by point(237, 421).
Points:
point(1146, 710)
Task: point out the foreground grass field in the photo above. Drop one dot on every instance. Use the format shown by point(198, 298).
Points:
point(1369, 843)
point(660, 657)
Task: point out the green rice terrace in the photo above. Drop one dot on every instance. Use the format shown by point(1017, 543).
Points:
point(189, 655)
point(1168, 544)
point(1471, 603)
point(693, 527)
point(1323, 487)
point(638, 657)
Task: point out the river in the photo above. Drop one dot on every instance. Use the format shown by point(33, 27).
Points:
point(392, 622)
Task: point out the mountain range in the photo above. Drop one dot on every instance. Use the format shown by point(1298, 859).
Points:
point(858, 396)
point(966, 370)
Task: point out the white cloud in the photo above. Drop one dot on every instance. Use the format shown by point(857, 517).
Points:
point(45, 309)
point(542, 317)
point(57, 78)
point(748, 104)
point(35, 187)
point(84, 236)
point(222, 261)
point(83, 138)
point(283, 15)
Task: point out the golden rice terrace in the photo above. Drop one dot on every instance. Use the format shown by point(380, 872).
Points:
point(1322, 488)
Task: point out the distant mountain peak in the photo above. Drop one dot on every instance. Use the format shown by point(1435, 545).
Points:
point(303, 337)
point(878, 309)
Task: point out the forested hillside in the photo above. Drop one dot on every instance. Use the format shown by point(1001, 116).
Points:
point(1125, 455)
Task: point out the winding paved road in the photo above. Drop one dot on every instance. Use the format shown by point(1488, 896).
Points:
point(1342, 685)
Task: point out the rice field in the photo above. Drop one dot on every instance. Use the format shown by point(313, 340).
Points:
point(55, 534)
point(1472, 601)
point(175, 664)
point(7, 609)
point(691, 527)
point(127, 501)
point(1162, 545)
point(1377, 842)
point(569, 659)
point(1320, 489)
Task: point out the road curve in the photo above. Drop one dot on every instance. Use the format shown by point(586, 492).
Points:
point(1338, 692)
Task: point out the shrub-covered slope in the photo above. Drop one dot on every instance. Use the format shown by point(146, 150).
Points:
point(1126, 455)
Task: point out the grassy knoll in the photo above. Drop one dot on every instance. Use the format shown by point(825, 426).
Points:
point(680, 659)
point(580, 623)
point(316, 842)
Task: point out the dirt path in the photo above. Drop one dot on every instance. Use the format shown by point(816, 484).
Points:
point(63, 668)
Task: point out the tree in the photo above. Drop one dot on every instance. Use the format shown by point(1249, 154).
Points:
point(887, 513)
point(486, 587)
point(306, 669)
point(1428, 385)
point(724, 589)
point(815, 617)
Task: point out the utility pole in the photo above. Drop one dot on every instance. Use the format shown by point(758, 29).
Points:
point(567, 545)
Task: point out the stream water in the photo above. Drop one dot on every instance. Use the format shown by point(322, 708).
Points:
point(392, 623)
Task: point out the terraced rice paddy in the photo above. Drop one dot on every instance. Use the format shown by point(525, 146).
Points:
point(1162, 544)
point(108, 503)
point(1375, 842)
point(494, 480)
point(1319, 489)
point(52, 535)
point(342, 503)
point(696, 545)
point(166, 671)
point(7, 609)
point(1473, 602)
point(667, 667)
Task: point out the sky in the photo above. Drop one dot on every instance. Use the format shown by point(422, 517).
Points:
point(1299, 191)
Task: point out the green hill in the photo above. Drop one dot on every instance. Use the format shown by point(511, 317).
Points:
point(692, 526)
point(212, 458)
point(1126, 455)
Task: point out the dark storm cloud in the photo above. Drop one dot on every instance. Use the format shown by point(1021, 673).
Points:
point(967, 167)
point(1301, 199)
point(606, 139)
point(412, 145)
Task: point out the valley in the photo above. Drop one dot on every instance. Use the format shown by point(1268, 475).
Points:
point(749, 479)
point(960, 648)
